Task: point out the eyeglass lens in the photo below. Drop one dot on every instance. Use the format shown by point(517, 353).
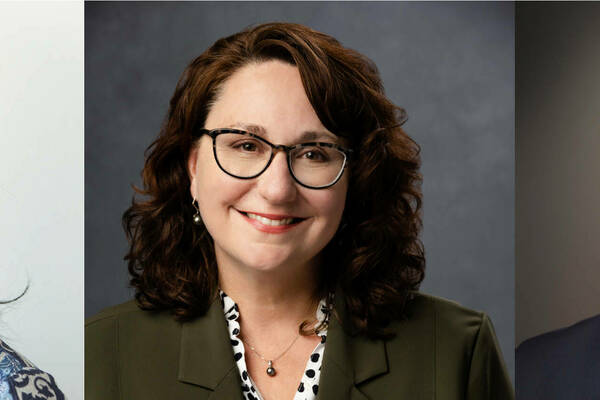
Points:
point(244, 156)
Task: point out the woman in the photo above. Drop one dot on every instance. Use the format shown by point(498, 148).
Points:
point(20, 379)
point(276, 253)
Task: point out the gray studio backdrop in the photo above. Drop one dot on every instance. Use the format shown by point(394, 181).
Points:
point(450, 65)
point(558, 166)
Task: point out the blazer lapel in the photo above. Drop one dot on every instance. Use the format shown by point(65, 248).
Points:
point(349, 359)
point(206, 357)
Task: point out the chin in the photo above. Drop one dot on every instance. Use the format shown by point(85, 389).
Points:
point(267, 258)
point(265, 263)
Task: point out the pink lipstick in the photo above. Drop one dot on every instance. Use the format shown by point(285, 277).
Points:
point(267, 228)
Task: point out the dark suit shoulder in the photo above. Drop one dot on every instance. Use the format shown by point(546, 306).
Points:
point(571, 345)
point(560, 364)
point(576, 334)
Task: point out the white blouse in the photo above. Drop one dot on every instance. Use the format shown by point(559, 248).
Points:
point(309, 384)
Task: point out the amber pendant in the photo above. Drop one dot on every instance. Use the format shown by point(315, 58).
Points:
point(270, 370)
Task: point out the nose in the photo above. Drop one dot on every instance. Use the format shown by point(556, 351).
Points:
point(276, 184)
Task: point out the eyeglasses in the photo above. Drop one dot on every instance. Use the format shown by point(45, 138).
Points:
point(244, 155)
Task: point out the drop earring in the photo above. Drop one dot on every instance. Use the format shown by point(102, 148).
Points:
point(196, 218)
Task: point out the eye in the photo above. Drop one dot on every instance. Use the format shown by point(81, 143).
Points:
point(247, 146)
point(315, 154)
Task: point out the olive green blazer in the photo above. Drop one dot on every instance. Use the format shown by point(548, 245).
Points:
point(442, 351)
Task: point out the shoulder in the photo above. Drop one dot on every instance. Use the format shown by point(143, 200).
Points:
point(457, 332)
point(571, 345)
point(118, 338)
point(123, 322)
point(445, 329)
point(125, 315)
point(113, 313)
point(109, 330)
point(564, 362)
point(103, 327)
point(572, 337)
point(453, 345)
point(20, 379)
point(446, 315)
point(11, 361)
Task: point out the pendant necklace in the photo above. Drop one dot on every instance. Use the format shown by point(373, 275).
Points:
point(271, 371)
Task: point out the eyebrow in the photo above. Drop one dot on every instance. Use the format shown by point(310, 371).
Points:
point(305, 136)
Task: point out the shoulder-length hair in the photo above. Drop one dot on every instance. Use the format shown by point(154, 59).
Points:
point(375, 256)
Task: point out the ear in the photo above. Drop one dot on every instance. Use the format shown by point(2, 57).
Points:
point(192, 163)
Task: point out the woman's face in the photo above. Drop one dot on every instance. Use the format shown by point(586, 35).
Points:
point(269, 97)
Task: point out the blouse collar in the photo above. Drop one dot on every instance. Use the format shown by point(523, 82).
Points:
point(232, 313)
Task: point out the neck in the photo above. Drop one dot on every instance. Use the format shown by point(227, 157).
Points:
point(276, 300)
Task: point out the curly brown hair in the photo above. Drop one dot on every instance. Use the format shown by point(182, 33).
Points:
point(375, 257)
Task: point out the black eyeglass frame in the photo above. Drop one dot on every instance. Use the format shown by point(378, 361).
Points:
point(213, 133)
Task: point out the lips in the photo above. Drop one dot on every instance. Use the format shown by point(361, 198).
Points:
point(274, 217)
point(275, 223)
point(272, 222)
point(269, 219)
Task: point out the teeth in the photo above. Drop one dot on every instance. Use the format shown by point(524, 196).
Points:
point(272, 222)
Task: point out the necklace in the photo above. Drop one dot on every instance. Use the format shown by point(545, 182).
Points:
point(271, 371)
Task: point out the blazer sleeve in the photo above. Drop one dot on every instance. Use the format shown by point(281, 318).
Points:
point(101, 360)
point(488, 378)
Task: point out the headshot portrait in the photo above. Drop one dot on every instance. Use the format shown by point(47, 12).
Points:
point(299, 200)
point(557, 191)
point(41, 201)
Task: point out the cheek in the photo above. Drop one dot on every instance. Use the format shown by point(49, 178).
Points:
point(215, 189)
point(331, 204)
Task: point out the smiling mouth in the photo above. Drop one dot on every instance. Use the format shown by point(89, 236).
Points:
point(272, 222)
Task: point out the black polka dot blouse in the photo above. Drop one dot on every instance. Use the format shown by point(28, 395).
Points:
point(309, 384)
